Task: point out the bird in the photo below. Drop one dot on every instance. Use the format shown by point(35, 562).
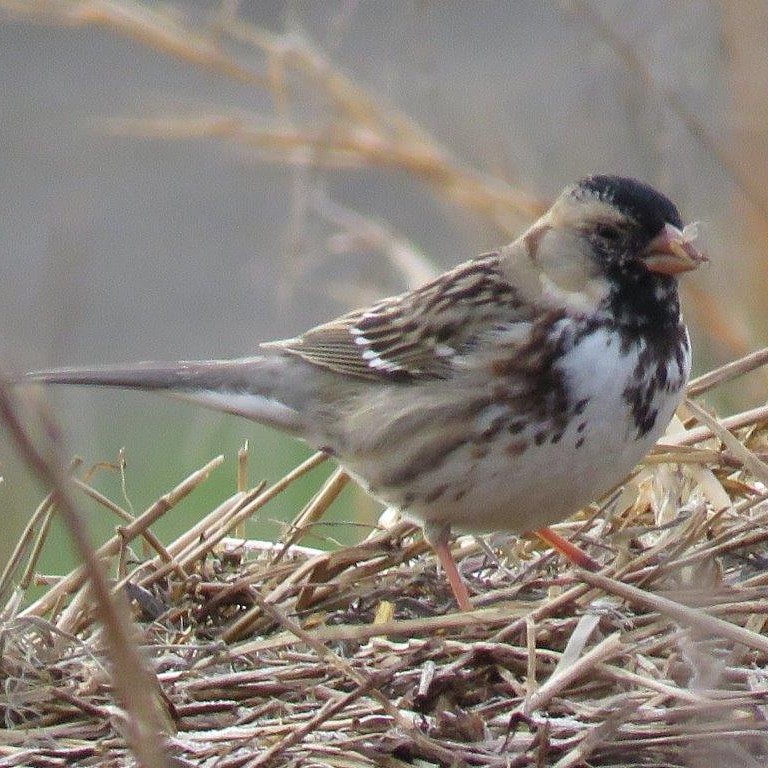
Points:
point(505, 394)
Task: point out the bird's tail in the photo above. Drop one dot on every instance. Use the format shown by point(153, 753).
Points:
point(243, 386)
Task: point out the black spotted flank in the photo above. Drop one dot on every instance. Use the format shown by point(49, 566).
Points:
point(653, 374)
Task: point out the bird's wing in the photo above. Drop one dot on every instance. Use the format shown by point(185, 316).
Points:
point(417, 335)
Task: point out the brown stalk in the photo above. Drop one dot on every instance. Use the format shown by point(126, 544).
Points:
point(135, 686)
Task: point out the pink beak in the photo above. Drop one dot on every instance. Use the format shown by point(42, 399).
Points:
point(672, 252)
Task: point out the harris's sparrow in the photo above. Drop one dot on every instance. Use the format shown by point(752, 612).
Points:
point(503, 395)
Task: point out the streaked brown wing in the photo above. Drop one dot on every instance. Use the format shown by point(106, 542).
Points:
point(416, 335)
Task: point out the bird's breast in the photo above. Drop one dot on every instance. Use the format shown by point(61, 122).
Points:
point(520, 462)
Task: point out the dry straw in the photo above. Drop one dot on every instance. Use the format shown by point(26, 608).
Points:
point(267, 653)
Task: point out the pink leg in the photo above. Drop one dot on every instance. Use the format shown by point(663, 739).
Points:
point(567, 549)
point(437, 536)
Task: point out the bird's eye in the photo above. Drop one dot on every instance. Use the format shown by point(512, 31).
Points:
point(608, 232)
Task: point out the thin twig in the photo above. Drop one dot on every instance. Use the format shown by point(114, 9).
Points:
point(136, 687)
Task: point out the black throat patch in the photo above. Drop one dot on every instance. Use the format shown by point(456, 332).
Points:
point(661, 368)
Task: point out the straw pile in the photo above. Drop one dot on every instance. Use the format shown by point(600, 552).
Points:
point(276, 654)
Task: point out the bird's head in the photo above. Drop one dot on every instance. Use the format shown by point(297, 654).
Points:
point(629, 226)
point(611, 242)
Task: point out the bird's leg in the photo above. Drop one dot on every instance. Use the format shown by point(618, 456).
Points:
point(437, 536)
point(567, 549)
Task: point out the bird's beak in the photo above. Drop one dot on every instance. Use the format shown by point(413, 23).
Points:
point(672, 251)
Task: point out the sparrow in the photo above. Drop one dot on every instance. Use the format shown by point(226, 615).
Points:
point(506, 394)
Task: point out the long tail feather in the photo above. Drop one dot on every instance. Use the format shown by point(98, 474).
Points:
point(243, 386)
point(183, 374)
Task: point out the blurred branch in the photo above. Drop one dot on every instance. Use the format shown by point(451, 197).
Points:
point(137, 689)
point(388, 129)
point(718, 317)
point(344, 126)
point(345, 145)
point(151, 27)
point(751, 188)
point(364, 130)
point(357, 231)
point(727, 372)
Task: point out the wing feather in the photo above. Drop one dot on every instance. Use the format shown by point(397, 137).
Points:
point(417, 335)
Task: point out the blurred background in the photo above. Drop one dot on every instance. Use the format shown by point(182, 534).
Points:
point(184, 180)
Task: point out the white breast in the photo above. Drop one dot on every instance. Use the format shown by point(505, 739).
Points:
point(519, 485)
